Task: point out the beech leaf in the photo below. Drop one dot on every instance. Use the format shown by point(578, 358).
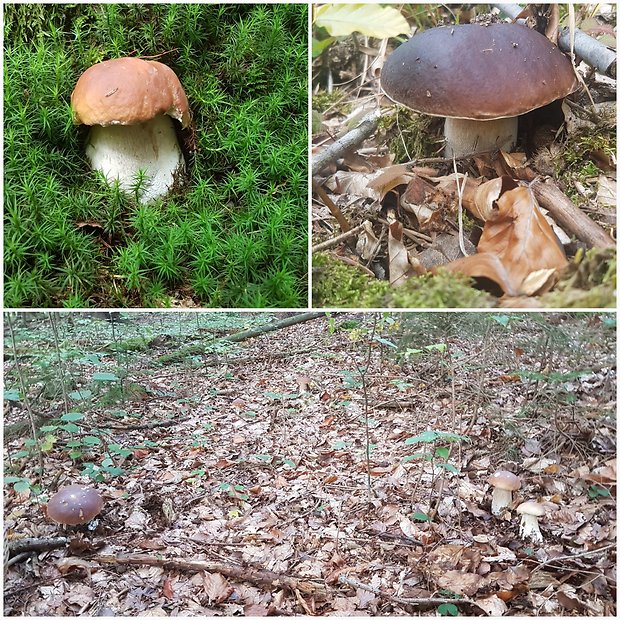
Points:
point(374, 20)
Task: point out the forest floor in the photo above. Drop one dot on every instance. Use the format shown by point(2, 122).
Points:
point(335, 467)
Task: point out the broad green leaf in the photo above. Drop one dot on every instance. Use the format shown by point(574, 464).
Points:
point(12, 395)
point(318, 47)
point(448, 609)
point(80, 395)
point(448, 467)
point(442, 453)
point(104, 376)
point(420, 516)
point(72, 416)
point(89, 440)
point(21, 486)
point(374, 20)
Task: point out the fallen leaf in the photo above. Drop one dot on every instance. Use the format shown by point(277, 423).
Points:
point(516, 242)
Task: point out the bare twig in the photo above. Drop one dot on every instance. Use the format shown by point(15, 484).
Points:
point(568, 216)
point(335, 211)
point(319, 247)
point(349, 141)
point(242, 573)
point(431, 600)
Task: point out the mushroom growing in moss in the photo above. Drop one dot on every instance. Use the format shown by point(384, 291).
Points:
point(129, 104)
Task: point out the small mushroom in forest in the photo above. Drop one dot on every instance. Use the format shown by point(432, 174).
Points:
point(129, 104)
point(530, 512)
point(74, 505)
point(480, 77)
point(504, 483)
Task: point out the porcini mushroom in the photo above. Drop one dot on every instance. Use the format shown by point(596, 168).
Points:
point(74, 505)
point(504, 483)
point(480, 77)
point(129, 104)
point(530, 511)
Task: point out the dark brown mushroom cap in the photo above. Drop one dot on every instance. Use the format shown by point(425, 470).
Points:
point(128, 91)
point(74, 505)
point(477, 72)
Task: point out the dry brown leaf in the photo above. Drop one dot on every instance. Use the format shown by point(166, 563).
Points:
point(515, 243)
point(217, 587)
point(400, 267)
point(391, 177)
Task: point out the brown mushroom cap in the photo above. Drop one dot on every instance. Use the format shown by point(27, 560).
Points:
point(128, 91)
point(531, 508)
point(477, 72)
point(74, 505)
point(505, 480)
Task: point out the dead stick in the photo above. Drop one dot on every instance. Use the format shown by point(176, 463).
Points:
point(350, 140)
point(399, 599)
point(568, 216)
point(335, 211)
point(336, 240)
point(243, 573)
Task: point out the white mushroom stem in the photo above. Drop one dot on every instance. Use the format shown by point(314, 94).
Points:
point(529, 527)
point(121, 151)
point(464, 136)
point(500, 499)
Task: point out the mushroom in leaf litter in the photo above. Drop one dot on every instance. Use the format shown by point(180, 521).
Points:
point(74, 505)
point(480, 77)
point(530, 511)
point(505, 482)
point(129, 104)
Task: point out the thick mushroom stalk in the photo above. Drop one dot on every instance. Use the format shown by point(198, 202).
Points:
point(130, 104)
point(464, 136)
point(529, 528)
point(504, 483)
point(480, 77)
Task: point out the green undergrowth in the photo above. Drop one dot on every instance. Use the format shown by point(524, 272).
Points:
point(234, 235)
point(336, 285)
point(588, 282)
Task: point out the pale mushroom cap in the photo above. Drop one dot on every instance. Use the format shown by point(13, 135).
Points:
point(505, 480)
point(477, 72)
point(74, 505)
point(128, 91)
point(531, 508)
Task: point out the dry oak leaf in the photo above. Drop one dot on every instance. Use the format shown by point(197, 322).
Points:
point(516, 242)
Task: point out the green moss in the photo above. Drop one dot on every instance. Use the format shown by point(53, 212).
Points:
point(409, 135)
point(234, 235)
point(588, 282)
point(337, 285)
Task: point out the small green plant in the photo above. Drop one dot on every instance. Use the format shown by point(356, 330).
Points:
point(595, 491)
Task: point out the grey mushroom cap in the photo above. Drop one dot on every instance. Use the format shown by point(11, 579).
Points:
point(477, 72)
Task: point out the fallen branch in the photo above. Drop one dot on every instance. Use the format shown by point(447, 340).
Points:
point(271, 327)
point(430, 600)
point(336, 240)
point(23, 545)
point(350, 140)
point(569, 217)
point(242, 573)
point(590, 50)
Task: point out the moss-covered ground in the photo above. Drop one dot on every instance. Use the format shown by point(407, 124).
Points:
point(234, 235)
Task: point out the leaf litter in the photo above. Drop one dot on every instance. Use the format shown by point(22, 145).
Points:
point(260, 499)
